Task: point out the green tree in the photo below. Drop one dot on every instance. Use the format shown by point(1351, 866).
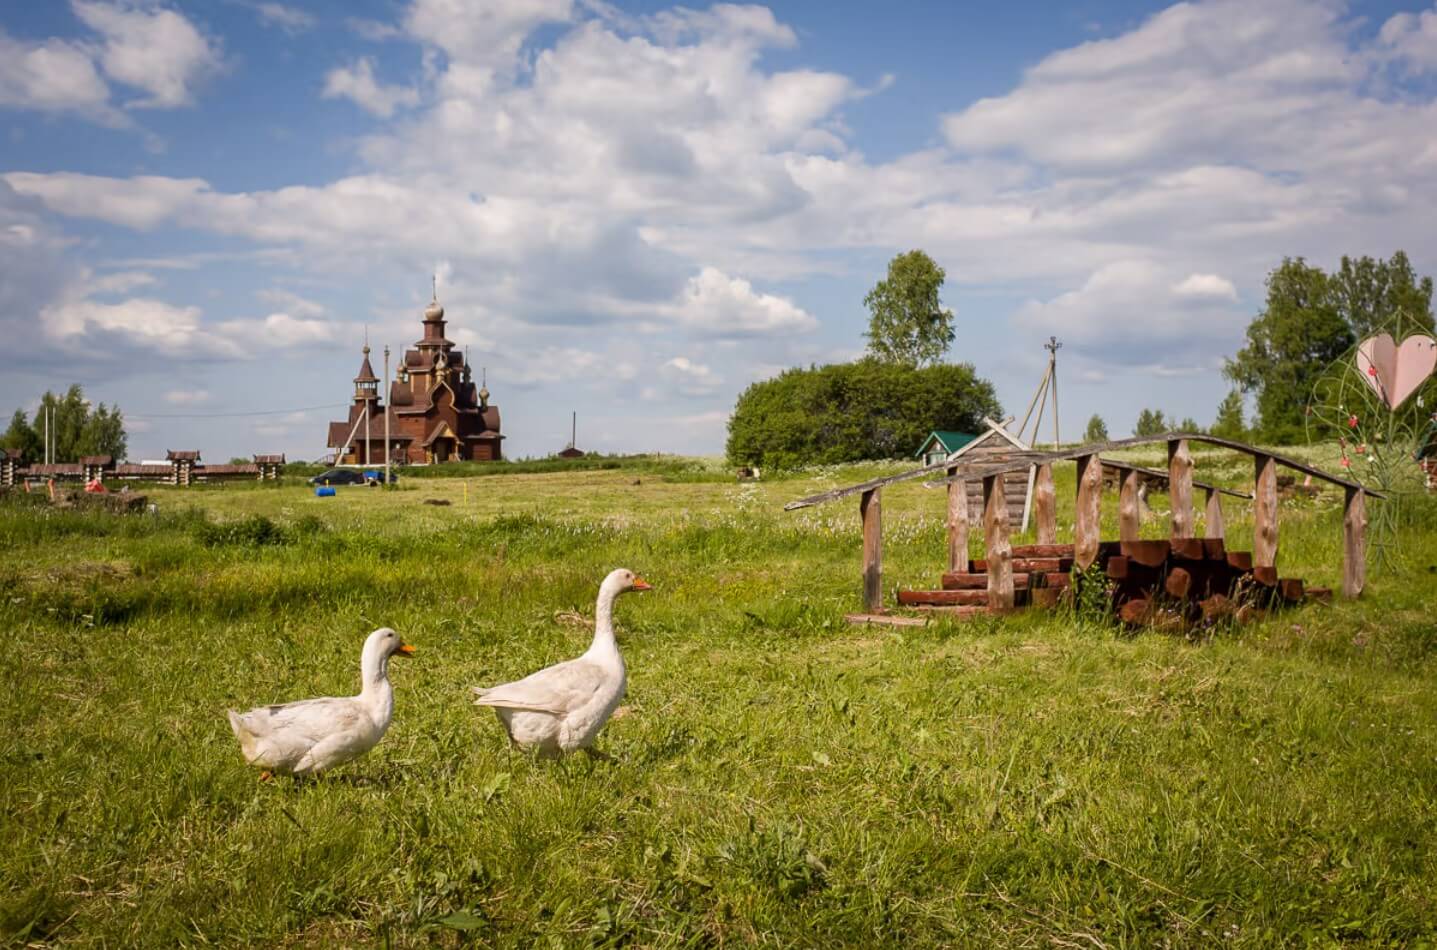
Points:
point(849, 412)
point(74, 430)
point(104, 433)
point(21, 436)
point(1299, 332)
point(1370, 293)
point(1229, 423)
point(1150, 423)
point(909, 325)
point(1097, 430)
point(1189, 424)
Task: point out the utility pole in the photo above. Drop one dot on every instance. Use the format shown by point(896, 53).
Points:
point(1053, 346)
point(387, 454)
point(574, 430)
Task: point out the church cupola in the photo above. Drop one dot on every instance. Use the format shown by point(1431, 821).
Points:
point(434, 323)
point(366, 384)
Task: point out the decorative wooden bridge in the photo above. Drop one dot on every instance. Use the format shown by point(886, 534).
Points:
point(1200, 572)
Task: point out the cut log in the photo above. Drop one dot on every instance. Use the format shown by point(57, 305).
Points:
point(1239, 560)
point(957, 523)
point(1043, 550)
point(1130, 518)
point(1180, 487)
point(1264, 511)
point(1179, 582)
point(1045, 505)
point(1214, 549)
point(871, 511)
point(970, 580)
point(1089, 510)
point(966, 598)
point(1354, 543)
point(1147, 553)
point(1134, 612)
point(999, 548)
point(1266, 576)
point(1290, 589)
point(1054, 581)
point(886, 620)
point(1117, 567)
point(1190, 548)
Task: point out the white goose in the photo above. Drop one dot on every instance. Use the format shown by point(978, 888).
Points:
point(563, 707)
point(312, 735)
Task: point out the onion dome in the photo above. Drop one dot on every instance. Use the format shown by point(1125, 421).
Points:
point(435, 311)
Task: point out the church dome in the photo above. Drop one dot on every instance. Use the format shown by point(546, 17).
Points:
point(435, 310)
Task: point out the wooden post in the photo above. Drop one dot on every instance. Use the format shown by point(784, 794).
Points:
point(871, 509)
point(1212, 515)
point(1088, 524)
point(1130, 518)
point(1354, 543)
point(1180, 487)
point(1045, 506)
point(957, 524)
point(1264, 512)
point(999, 549)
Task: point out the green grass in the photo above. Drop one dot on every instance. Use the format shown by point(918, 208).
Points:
point(781, 778)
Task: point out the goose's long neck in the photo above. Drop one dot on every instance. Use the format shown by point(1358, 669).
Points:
point(604, 643)
point(375, 692)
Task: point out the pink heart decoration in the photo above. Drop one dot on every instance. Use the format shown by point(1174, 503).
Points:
point(1395, 372)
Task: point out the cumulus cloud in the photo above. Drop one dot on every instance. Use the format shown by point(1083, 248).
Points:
point(290, 19)
point(690, 378)
point(357, 83)
point(150, 48)
point(1206, 285)
point(715, 304)
point(1411, 38)
point(186, 397)
point(53, 75)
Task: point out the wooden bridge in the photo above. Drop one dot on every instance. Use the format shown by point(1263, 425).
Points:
point(1045, 567)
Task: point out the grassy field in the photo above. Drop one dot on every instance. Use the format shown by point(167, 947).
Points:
point(779, 778)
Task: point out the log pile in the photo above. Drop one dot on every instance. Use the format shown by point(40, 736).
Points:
point(1181, 583)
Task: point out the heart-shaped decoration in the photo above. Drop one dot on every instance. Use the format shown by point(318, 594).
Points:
point(1395, 372)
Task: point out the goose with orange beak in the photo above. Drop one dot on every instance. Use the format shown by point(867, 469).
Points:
point(312, 735)
point(563, 707)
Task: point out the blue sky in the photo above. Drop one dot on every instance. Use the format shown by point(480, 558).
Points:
point(636, 210)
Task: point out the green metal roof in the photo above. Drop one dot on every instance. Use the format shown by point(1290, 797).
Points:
point(951, 441)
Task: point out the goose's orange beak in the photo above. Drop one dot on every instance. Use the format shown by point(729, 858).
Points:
point(405, 649)
point(641, 584)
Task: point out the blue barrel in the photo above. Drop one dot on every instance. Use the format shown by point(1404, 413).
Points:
point(324, 491)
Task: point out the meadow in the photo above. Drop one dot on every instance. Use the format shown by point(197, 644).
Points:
point(779, 777)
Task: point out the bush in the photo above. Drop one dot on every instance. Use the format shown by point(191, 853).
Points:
point(852, 412)
point(254, 531)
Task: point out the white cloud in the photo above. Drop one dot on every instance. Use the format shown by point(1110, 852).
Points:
point(715, 304)
point(277, 331)
point(150, 48)
point(291, 302)
point(290, 19)
point(1412, 39)
point(1206, 285)
point(357, 83)
point(690, 378)
point(373, 30)
point(52, 76)
point(186, 397)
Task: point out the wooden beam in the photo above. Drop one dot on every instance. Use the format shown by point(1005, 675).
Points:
point(1264, 512)
point(999, 548)
point(1045, 505)
point(957, 524)
point(1162, 476)
point(1213, 526)
point(1087, 525)
point(1354, 544)
point(1130, 517)
point(871, 509)
point(1180, 487)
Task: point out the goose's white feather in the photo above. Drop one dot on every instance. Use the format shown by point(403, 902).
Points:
point(564, 707)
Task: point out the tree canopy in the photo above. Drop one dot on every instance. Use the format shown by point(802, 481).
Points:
point(1311, 319)
point(908, 324)
point(77, 429)
point(850, 412)
point(1229, 423)
point(1150, 422)
point(1097, 430)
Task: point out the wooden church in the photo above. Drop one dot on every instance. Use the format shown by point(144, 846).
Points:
point(435, 412)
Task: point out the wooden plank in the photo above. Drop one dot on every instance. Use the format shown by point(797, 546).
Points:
point(1045, 505)
point(1162, 477)
point(1190, 548)
point(871, 509)
point(1117, 567)
point(887, 620)
point(1130, 517)
point(1264, 512)
point(1088, 525)
point(1180, 487)
point(1042, 550)
point(957, 523)
point(1354, 544)
point(975, 580)
point(1213, 526)
point(1000, 550)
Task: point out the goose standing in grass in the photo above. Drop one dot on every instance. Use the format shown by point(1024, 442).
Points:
point(563, 707)
point(312, 735)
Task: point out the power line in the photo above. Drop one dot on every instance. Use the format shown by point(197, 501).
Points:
point(231, 415)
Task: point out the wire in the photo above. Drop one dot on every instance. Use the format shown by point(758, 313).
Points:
point(230, 415)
